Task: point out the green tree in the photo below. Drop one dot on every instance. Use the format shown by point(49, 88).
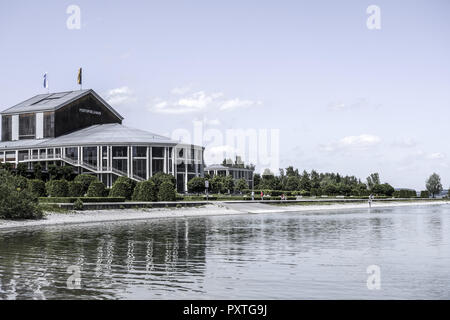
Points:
point(229, 183)
point(22, 169)
point(145, 191)
point(37, 168)
point(256, 180)
point(292, 183)
point(167, 191)
point(123, 187)
point(217, 184)
point(57, 188)
point(373, 180)
point(434, 185)
point(37, 187)
point(196, 185)
point(305, 181)
point(15, 202)
point(96, 189)
point(85, 180)
point(241, 185)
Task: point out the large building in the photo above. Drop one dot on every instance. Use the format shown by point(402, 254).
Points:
point(237, 172)
point(80, 129)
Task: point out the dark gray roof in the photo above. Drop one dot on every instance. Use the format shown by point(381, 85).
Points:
point(53, 101)
point(113, 133)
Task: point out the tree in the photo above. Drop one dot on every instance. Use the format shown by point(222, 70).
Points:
point(85, 180)
point(37, 168)
point(229, 183)
point(145, 191)
point(292, 183)
point(434, 185)
point(196, 185)
point(167, 191)
point(16, 203)
point(22, 169)
point(241, 184)
point(305, 181)
point(256, 180)
point(373, 180)
point(123, 187)
point(217, 184)
point(96, 189)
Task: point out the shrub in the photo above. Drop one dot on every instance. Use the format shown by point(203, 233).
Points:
point(167, 191)
point(145, 191)
point(119, 189)
point(123, 187)
point(75, 189)
point(78, 205)
point(85, 180)
point(96, 189)
point(37, 187)
point(161, 177)
point(196, 184)
point(424, 194)
point(57, 188)
point(21, 182)
point(15, 202)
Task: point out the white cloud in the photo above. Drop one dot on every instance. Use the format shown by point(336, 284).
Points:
point(237, 103)
point(183, 101)
point(435, 156)
point(120, 96)
point(404, 143)
point(197, 101)
point(180, 90)
point(361, 142)
point(357, 104)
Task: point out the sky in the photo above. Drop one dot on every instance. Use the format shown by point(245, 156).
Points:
point(343, 97)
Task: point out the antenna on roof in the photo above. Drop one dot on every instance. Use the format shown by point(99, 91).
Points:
point(80, 78)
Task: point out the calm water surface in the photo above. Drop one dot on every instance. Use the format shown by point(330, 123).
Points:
point(256, 256)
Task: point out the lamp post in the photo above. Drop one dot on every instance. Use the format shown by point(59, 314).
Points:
point(206, 189)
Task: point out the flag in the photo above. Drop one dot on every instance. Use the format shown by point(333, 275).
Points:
point(80, 76)
point(45, 81)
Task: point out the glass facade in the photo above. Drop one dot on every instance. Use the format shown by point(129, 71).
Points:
point(6, 128)
point(90, 156)
point(140, 168)
point(72, 153)
point(27, 126)
point(49, 124)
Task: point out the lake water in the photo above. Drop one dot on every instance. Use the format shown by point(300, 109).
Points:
point(256, 256)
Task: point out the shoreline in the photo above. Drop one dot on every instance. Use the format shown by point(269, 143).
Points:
point(210, 209)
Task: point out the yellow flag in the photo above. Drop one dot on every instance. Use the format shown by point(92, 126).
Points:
point(80, 79)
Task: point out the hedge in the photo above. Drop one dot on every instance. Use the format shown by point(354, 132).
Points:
point(84, 199)
point(76, 189)
point(37, 187)
point(96, 189)
point(145, 191)
point(167, 191)
point(85, 180)
point(57, 188)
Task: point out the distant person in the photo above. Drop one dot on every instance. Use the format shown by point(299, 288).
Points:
point(253, 195)
point(262, 195)
point(370, 200)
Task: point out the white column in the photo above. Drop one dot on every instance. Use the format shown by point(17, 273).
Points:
point(165, 161)
point(150, 162)
point(147, 166)
point(128, 162)
point(39, 125)
point(15, 127)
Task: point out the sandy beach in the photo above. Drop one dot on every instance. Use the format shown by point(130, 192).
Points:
point(212, 209)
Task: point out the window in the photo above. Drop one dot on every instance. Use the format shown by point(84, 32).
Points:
point(140, 168)
point(120, 164)
point(120, 152)
point(72, 153)
point(157, 165)
point(6, 128)
point(23, 155)
point(140, 152)
point(157, 152)
point(27, 126)
point(90, 156)
point(49, 124)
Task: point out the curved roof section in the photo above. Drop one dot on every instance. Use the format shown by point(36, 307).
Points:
point(54, 101)
point(112, 133)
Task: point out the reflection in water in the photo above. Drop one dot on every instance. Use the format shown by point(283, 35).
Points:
point(308, 255)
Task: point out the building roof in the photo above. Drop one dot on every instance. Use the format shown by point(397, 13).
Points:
point(54, 101)
point(222, 167)
point(112, 133)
